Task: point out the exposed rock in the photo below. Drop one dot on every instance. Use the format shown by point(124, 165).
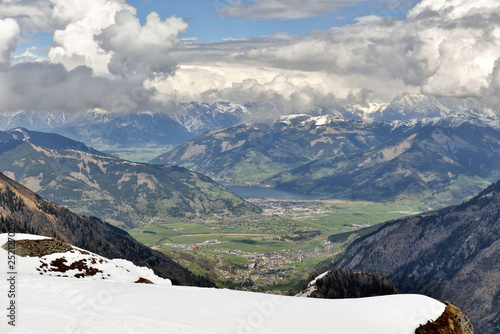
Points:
point(452, 321)
point(37, 247)
point(143, 281)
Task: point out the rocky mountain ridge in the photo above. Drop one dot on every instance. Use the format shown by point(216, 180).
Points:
point(100, 128)
point(178, 124)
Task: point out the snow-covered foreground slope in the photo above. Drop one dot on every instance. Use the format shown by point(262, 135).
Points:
point(46, 304)
point(76, 263)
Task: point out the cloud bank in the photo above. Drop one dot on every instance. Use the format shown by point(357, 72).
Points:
point(442, 48)
point(102, 53)
point(100, 57)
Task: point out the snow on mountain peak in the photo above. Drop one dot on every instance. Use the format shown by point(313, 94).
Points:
point(369, 109)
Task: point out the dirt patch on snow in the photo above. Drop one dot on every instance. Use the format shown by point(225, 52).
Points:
point(81, 265)
point(143, 280)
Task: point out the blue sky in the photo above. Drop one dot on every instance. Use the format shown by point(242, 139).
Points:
point(206, 24)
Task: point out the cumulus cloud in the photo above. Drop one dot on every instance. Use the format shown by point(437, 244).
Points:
point(27, 57)
point(141, 50)
point(442, 48)
point(51, 87)
point(463, 42)
point(104, 35)
point(8, 38)
point(75, 44)
point(100, 57)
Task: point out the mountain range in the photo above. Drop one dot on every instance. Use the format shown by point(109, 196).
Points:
point(453, 254)
point(249, 153)
point(100, 128)
point(94, 184)
point(436, 165)
point(177, 124)
point(433, 162)
point(418, 106)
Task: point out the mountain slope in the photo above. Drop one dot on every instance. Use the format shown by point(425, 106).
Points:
point(452, 255)
point(249, 153)
point(141, 308)
point(433, 165)
point(119, 191)
point(50, 141)
point(430, 162)
point(23, 211)
point(50, 257)
point(337, 283)
point(56, 304)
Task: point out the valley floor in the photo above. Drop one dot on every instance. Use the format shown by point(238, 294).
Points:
point(273, 251)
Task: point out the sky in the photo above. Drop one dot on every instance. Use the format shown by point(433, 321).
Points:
point(295, 55)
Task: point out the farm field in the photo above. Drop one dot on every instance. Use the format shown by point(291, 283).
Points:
point(272, 251)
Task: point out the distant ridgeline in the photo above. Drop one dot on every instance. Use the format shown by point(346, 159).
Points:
point(26, 212)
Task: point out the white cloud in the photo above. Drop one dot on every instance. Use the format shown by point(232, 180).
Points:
point(27, 57)
point(9, 37)
point(75, 44)
point(300, 9)
point(463, 42)
point(443, 48)
point(141, 50)
point(279, 9)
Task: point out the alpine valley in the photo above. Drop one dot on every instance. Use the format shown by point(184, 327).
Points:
point(250, 167)
point(373, 163)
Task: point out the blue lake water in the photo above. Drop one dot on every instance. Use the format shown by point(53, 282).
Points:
point(264, 192)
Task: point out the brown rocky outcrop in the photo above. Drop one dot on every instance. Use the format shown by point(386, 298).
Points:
point(452, 321)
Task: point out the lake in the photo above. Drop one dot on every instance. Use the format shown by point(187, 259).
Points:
point(264, 192)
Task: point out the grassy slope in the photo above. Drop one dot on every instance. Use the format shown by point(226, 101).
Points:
point(117, 190)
